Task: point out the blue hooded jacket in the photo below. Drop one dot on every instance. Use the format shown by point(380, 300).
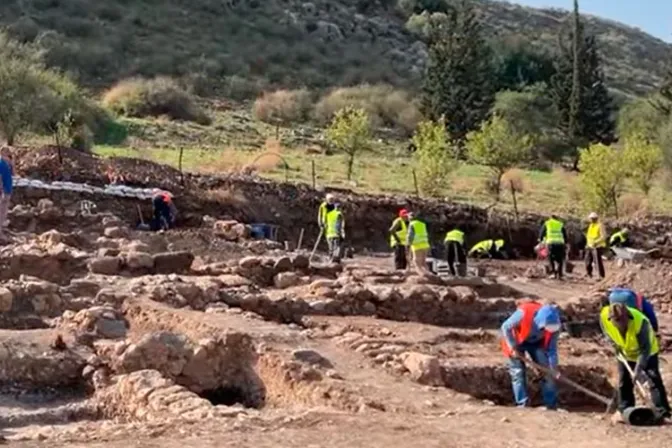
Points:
point(629, 298)
point(546, 315)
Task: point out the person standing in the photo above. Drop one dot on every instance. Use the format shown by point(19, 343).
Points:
point(398, 234)
point(554, 235)
point(596, 242)
point(7, 174)
point(454, 243)
point(322, 211)
point(335, 232)
point(418, 241)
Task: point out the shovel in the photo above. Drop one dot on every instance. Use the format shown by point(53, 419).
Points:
point(317, 243)
point(608, 402)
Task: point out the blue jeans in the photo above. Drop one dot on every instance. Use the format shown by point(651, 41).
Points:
point(549, 389)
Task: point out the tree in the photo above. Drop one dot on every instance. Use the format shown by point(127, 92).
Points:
point(32, 97)
point(663, 101)
point(458, 81)
point(532, 112)
point(518, 65)
point(643, 160)
point(580, 92)
point(499, 147)
point(350, 131)
point(602, 177)
point(641, 117)
point(434, 156)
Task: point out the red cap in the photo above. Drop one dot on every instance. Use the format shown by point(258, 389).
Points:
point(403, 213)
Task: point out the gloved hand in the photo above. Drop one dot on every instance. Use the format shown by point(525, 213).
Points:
point(641, 377)
point(517, 354)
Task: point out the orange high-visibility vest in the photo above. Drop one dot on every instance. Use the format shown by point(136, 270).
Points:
point(521, 333)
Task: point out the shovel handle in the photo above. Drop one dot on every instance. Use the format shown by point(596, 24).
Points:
point(639, 386)
point(571, 383)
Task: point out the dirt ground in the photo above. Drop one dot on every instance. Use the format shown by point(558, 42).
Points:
point(203, 338)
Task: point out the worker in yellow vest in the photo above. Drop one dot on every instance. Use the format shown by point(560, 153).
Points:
point(322, 211)
point(620, 238)
point(398, 234)
point(554, 235)
point(454, 243)
point(596, 243)
point(632, 335)
point(335, 232)
point(418, 241)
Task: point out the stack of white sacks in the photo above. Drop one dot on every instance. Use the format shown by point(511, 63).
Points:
point(112, 190)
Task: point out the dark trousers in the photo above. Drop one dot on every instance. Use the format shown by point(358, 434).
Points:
point(594, 255)
point(161, 219)
point(626, 393)
point(556, 259)
point(335, 249)
point(455, 251)
point(400, 261)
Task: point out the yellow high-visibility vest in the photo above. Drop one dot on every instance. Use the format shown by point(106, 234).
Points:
point(594, 234)
point(322, 213)
point(483, 246)
point(629, 346)
point(401, 234)
point(455, 235)
point(420, 236)
point(554, 232)
point(618, 237)
point(332, 219)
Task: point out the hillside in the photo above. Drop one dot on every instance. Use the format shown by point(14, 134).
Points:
point(216, 43)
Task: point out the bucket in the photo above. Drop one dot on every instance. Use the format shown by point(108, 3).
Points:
point(259, 231)
point(642, 416)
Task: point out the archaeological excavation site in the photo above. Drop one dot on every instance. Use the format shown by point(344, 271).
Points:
point(203, 336)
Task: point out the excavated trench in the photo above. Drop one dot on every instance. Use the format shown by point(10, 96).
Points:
point(493, 383)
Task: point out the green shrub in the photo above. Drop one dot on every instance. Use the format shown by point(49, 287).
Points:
point(384, 105)
point(238, 88)
point(161, 96)
point(283, 106)
point(32, 96)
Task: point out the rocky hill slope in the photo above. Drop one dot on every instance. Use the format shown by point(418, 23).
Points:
point(216, 43)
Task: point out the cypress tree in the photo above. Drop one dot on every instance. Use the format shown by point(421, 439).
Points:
point(458, 83)
point(580, 92)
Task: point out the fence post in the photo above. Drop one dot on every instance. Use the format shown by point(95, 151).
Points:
point(180, 165)
point(312, 170)
point(515, 202)
point(415, 184)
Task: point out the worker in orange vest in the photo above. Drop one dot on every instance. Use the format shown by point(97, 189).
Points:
point(164, 210)
point(532, 329)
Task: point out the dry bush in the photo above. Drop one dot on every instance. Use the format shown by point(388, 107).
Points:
point(569, 183)
point(385, 106)
point(514, 178)
point(264, 162)
point(226, 195)
point(633, 205)
point(283, 106)
point(139, 97)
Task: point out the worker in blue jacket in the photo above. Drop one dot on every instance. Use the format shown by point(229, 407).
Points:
point(634, 300)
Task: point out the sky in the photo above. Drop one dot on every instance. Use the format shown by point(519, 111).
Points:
point(652, 16)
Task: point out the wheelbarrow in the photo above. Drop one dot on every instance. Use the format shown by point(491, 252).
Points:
point(634, 416)
point(627, 254)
